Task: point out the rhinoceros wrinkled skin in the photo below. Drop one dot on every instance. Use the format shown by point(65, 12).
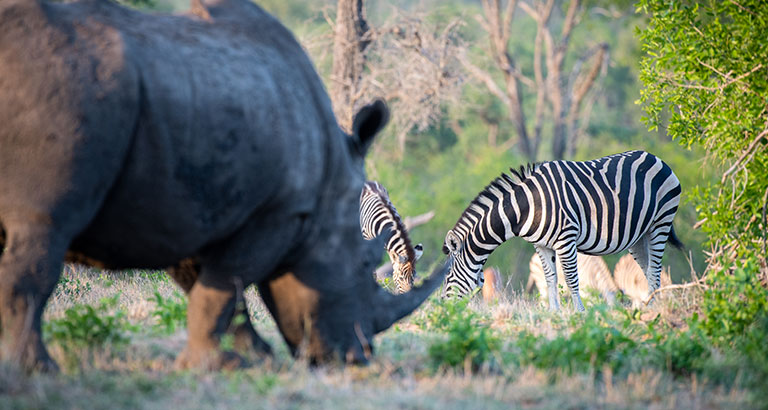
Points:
point(208, 144)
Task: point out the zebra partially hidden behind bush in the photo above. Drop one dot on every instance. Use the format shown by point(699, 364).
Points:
point(593, 274)
point(631, 280)
point(377, 215)
point(598, 207)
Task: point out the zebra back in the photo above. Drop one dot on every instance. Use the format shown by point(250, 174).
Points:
point(377, 214)
point(593, 274)
point(631, 279)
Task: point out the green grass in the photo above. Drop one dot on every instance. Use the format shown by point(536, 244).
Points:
point(513, 353)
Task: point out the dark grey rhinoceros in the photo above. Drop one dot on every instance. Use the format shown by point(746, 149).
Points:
point(205, 143)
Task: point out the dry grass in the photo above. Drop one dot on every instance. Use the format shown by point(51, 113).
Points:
point(140, 375)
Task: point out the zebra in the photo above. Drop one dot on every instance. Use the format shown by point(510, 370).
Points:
point(598, 207)
point(377, 214)
point(593, 274)
point(491, 285)
point(629, 278)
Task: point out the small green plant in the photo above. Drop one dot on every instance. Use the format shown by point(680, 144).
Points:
point(72, 287)
point(597, 341)
point(469, 341)
point(170, 312)
point(387, 283)
point(89, 326)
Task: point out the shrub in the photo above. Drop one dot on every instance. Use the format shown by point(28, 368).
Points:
point(735, 304)
point(170, 313)
point(469, 340)
point(735, 317)
point(72, 287)
point(596, 342)
point(89, 326)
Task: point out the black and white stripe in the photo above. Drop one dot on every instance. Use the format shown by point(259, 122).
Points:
point(377, 214)
point(598, 207)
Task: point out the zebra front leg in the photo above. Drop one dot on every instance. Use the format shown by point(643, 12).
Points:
point(570, 271)
point(550, 274)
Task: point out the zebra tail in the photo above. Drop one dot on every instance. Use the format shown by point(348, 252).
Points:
point(674, 240)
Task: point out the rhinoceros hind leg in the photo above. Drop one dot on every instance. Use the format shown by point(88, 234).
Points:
point(30, 267)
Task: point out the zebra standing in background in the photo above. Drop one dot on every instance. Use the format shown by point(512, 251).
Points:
point(593, 274)
point(629, 278)
point(604, 206)
point(377, 214)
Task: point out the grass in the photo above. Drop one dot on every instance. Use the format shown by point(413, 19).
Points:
point(407, 371)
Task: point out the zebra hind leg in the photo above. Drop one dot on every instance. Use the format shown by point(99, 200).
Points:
point(570, 271)
point(648, 252)
point(550, 274)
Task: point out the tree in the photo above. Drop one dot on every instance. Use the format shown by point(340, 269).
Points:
point(562, 96)
point(408, 62)
point(706, 69)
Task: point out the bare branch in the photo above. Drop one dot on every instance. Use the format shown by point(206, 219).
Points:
point(486, 79)
point(700, 283)
point(739, 164)
point(506, 23)
point(414, 221)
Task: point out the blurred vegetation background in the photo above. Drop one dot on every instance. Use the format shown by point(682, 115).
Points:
point(443, 161)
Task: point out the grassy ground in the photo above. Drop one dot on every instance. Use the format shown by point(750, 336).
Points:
point(144, 333)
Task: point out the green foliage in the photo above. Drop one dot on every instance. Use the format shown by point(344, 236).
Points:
point(72, 287)
point(735, 304)
point(170, 313)
point(705, 70)
point(596, 342)
point(469, 340)
point(735, 317)
point(89, 326)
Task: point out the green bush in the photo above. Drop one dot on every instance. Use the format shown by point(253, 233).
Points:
point(735, 318)
point(72, 287)
point(170, 313)
point(469, 340)
point(735, 305)
point(596, 342)
point(89, 326)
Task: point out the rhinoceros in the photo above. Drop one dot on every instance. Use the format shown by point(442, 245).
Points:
point(202, 142)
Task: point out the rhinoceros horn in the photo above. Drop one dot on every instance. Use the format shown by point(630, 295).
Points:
point(390, 308)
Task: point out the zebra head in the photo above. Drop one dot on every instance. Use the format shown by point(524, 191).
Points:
point(463, 278)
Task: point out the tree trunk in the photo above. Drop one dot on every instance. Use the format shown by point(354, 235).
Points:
point(350, 40)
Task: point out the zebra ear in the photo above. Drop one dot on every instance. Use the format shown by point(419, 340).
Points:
point(418, 250)
point(452, 243)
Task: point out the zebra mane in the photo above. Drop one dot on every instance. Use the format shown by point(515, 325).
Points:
point(520, 175)
point(383, 196)
point(502, 182)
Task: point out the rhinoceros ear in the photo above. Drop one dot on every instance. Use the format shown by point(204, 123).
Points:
point(367, 123)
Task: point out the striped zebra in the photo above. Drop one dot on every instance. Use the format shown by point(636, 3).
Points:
point(631, 280)
point(598, 207)
point(376, 215)
point(593, 274)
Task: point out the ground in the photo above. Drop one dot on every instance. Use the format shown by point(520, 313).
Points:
point(120, 353)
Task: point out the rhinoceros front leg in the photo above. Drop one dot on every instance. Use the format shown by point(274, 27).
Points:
point(30, 266)
point(185, 274)
point(209, 316)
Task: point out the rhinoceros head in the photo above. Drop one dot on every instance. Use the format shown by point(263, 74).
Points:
point(329, 305)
